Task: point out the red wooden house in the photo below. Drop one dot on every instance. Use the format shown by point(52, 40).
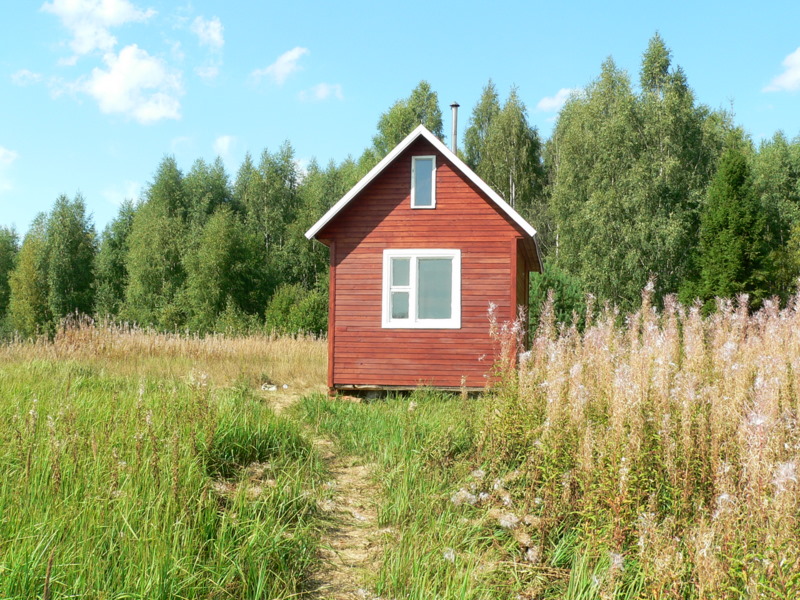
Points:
point(419, 248)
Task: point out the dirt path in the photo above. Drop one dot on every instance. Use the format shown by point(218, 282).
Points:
point(351, 542)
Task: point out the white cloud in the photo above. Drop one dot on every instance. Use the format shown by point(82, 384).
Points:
point(6, 158)
point(554, 103)
point(25, 77)
point(280, 70)
point(207, 73)
point(323, 91)
point(59, 87)
point(116, 195)
point(136, 84)
point(209, 32)
point(789, 80)
point(89, 21)
point(223, 145)
point(176, 51)
point(68, 61)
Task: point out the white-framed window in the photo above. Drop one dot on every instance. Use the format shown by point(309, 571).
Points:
point(423, 182)
point(421, 289)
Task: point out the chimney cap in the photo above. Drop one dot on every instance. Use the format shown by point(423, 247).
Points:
point(455, 105)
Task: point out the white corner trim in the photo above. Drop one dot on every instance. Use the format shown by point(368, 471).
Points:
point(421, 130)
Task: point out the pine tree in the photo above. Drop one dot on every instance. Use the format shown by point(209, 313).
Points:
point(776, 179)
point(733, 251)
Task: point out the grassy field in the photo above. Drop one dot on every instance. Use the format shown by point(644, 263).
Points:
point(144, 466)
point(217, 360)
point(657, 459)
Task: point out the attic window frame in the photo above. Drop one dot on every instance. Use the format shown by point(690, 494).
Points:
point(413, 322)
point(414, 160)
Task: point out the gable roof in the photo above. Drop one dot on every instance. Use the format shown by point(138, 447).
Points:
point(422, 131)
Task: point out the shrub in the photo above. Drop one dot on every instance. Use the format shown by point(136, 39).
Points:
point(294, 309)
point(568, 295)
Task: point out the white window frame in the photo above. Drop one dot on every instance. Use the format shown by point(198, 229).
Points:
point(412, 322)
point(414, 160)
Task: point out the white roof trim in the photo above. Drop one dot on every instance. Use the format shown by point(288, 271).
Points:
point(421, 130)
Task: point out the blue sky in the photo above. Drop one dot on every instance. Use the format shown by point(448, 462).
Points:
point(94, 93)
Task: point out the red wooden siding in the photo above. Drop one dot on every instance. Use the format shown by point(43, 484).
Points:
point(331, 313)
point(522, 279)
point(493, 268)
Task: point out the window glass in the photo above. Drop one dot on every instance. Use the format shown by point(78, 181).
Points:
point(423, 182)
point(435, 288)
point(400, 271)
point(399, 305)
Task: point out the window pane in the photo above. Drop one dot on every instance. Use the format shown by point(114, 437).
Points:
point(434, 296)
point(400, 268)
point(423, 182)
point(399, 305)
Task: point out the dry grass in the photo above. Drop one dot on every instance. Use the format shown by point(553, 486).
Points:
point(256, 359)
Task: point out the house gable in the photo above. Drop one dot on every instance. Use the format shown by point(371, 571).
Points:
point(459, 166)
point(382, 211)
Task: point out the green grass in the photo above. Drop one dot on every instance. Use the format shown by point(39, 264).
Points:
point(422, 448)
point(426, 448)
point(655, 460)
point(127, 488)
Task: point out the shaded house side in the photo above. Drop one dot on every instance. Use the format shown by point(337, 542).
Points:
point(489, 245)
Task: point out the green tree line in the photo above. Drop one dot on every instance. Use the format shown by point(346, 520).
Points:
point(637, 182)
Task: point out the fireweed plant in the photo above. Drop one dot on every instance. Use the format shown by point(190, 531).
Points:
point(662, 454)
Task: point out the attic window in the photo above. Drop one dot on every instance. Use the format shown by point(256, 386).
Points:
point(423, 182)
point(422, 289)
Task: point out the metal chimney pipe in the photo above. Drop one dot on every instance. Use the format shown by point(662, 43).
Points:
point(454, 136)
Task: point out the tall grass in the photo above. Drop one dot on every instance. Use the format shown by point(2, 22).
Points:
point(255, 359)
point(666, 450)
point(128, 487)
point(657, 458)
